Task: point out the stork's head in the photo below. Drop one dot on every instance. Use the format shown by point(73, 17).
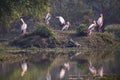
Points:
point(101, 14)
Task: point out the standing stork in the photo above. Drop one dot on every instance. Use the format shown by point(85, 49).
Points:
point(47, 18)
point(66, 26)
point(100, 22)
point(23, 27)
point(91, 27)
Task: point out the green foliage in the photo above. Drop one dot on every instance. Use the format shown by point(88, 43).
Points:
point(86, 19)
point(12, 9)
point(107, 37)
point(82, 30)
point(111, 77)
point(43, 30)
point(115, 29)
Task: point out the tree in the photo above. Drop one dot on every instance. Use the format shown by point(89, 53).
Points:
point(12, 9)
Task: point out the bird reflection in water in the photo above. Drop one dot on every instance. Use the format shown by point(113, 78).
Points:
point(64, 67)
point(48, 76)
point(95, 71)
point(24, 68)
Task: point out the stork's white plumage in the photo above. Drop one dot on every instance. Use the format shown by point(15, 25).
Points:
point(47, 18)
point(66, 26)
point(61, 19)
point(91, 27)
point(100, 22)
point(23, 27)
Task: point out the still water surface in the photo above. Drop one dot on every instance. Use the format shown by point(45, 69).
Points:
point(37, 70)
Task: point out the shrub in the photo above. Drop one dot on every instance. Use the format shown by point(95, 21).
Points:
point(107, 37)
point(82, 30)
point(86, 19)
point(115, 29)
point(43, 30)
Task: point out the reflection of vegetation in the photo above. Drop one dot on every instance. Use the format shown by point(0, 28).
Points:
point(9, 58)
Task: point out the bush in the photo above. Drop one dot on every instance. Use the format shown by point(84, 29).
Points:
point(82, 30)
point(107, 37)
point(115, 29)
point(43, 30)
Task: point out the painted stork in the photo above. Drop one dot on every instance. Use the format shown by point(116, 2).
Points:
point(47, 18)
point(91, 27)
point(100, 22)
point(23, 27)
point(62, 20)
point(66, 26)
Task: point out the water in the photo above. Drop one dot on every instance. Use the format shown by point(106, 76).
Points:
point(37, 69)
point(13, 71)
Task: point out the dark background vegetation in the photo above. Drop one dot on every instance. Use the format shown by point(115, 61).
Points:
point(10, 10)
point(76, 11)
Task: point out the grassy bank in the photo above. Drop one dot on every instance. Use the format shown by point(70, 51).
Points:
point(108, 40)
